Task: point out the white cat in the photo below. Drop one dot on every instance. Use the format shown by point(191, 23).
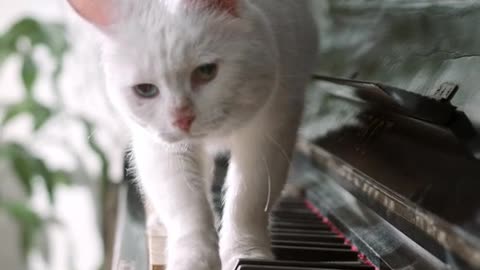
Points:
point(195, 77)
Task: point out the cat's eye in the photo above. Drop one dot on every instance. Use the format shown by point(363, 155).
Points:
point(204, 73)
point(146, 90)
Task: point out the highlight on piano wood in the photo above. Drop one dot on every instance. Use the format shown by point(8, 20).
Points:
point(239, 135)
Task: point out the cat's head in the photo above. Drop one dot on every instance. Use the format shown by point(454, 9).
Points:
point(184, 69)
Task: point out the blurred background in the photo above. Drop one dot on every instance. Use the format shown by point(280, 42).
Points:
point(61, 146)
point(60, 149)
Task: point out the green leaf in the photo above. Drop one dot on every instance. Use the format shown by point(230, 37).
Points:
point(47, 177)
point(25, 28)
point(5, 50)
point(51, 178)
point(21, 164)
point(51, 35)
point(29, 73)
point(27, 166)
point(13, 111)
point(62, 178)
point(23, 169)
point(56, 41)
point(39, 113)
point(7, 46)
point(30, 223)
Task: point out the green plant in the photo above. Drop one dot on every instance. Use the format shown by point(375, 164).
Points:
point(21, 41)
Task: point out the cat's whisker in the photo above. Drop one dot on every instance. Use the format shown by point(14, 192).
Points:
point(279, 146)
point(269, 184)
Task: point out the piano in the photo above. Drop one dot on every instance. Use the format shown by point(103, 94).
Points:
point(386, 173)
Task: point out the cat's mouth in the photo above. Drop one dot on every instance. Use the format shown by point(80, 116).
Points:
point(180, 137)
point(194, 135)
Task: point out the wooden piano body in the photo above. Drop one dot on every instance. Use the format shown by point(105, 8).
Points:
point(389, 156)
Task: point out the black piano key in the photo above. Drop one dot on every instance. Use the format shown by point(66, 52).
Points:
point(290, 205)
point(257, 264)
point(298, 221)
point(296, 216)
point(276, 267)
point(311, 244)
point(266, 267)
point(301, 226)
point(307, 238)
point(303, 211)
point(313, 254)
point(304, 232)
point(293, 215)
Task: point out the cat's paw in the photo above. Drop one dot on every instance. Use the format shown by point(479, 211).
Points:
point(198, 259)
point(200, 254)
point(231, 255)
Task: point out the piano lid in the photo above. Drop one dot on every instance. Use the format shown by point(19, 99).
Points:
point(414, 165)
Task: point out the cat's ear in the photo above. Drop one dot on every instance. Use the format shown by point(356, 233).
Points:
point(96, 12)
point(229, 6)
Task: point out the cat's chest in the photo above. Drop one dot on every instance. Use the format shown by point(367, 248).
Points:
point(217, 147)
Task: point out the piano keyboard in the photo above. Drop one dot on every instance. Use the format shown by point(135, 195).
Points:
point(303, 240)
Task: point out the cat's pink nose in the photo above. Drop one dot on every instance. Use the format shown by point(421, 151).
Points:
point(184, 118)
point(184, 123)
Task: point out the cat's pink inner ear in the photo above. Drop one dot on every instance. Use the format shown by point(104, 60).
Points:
point(97, 12)
point(229, 6)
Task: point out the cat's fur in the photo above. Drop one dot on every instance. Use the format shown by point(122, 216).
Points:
point(265, 50)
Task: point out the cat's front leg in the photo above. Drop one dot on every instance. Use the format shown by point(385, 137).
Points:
point(172, 179)
point(259, 164)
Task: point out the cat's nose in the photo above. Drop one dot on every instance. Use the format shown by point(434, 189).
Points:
point(183, 118)
point(183, 110)
point(184, 123)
